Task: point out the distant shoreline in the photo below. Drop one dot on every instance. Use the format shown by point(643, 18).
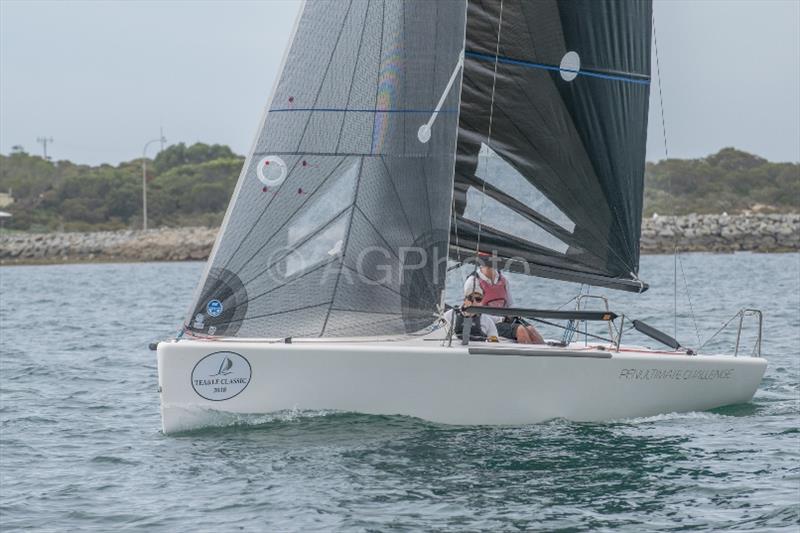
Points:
point(690, 233)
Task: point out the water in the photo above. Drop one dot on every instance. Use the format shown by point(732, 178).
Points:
point(82, 450)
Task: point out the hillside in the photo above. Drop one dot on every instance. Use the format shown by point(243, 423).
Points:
point(729, 181)
point(186, 186)
point(190, 186)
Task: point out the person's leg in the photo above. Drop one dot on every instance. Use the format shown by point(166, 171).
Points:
point(534, 335)
point(523, 335)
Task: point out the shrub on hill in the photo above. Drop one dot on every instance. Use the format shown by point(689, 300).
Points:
point(187, 186)
point(729, 181)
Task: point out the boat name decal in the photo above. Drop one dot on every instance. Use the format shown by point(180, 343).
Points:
point(677, 374)
point(221, 375)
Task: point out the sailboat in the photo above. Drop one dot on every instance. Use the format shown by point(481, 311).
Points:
point(404, 136)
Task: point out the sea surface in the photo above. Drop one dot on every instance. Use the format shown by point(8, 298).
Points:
point(81, 447)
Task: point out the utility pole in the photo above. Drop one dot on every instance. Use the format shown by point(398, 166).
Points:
point(161, 140)
point(43, 141)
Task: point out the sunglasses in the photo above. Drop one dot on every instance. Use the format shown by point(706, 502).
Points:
point(474, 299)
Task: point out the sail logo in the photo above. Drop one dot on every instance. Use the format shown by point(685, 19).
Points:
point(221, 376)
point(214, 308)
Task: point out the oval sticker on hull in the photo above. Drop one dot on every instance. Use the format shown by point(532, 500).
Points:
point(221, 376)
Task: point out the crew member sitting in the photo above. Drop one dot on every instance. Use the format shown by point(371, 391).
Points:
point(494, 287)
point(483, 327)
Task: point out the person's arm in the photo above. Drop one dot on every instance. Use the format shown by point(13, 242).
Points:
point(470, 283)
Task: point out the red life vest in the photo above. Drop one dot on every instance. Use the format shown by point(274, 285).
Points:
point(494, 294)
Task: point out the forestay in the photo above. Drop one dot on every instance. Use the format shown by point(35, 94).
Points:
point(339, 222)
point(552, 136)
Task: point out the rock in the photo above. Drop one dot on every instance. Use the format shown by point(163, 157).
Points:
point(722, 233)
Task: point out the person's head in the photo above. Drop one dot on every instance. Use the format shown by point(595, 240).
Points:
point(487, 264)
point(473, 295)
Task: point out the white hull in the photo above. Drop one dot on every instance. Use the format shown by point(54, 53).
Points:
point(479, 384)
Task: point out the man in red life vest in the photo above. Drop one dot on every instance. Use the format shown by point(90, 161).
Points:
point(497, 294)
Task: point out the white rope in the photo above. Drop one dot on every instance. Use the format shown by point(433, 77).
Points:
point(689, 296)
point(491, 119)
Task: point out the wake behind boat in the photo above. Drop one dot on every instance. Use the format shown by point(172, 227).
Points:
point(401, 136)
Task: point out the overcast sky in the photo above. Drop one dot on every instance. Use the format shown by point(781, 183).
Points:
point(101, 77)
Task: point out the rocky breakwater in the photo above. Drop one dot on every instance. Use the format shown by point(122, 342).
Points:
point(692, 233)
point(721, 233)
point(173, 244)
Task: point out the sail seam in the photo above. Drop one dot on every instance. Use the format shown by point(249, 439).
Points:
point(352, 77)
point(426, 181)
point(377, 83)
point(376, 282)
point(345, 244)
point(373, 322)
point(372, 225)
point(393, 315)
point(258, 220)
point(303, 308)
point(325, 74)
point(289, 219)
point(399, 199)
point(304, 274)
point(299, 243)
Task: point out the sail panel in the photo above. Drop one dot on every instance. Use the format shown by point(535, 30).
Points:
point(342, 207)
point(503, 216)
point(494, 170)
point(561, 97)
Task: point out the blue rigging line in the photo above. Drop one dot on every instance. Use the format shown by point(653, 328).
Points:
point(544, 66)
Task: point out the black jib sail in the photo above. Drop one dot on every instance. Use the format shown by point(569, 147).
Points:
point(552, 132)
point(339, 222)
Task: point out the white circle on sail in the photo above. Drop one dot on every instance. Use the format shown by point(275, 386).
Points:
point(271, 171)
point(424, 133)
point(570, 66)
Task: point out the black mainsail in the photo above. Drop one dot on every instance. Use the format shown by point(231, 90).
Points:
point(343, 203)
point(552, 134)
